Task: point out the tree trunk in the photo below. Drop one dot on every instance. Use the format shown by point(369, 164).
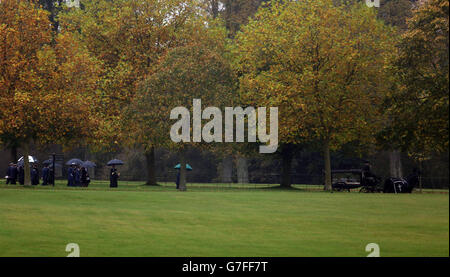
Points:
point(182, 171)
point(227, 169)
point(215, 8)
point(242, 170)
point(26, 167)
point(395, 164)
point(287, 155)
point(327, 160)
point(151, 175)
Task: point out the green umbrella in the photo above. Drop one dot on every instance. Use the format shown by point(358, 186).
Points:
point(188, 167)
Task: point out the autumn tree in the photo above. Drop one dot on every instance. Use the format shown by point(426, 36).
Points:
point(418, 104)
point(129, 37)
point(193, 71)
point(237, 13)
point(10, 142)
point(47, 84)
point(392, 12)
point(324, 67)
point(53, 7)
point(396, 12)
point(212, 7)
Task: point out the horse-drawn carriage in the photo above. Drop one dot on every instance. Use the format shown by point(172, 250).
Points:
point(349, 179)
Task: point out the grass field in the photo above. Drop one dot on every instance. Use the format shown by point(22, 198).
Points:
point(136, 220)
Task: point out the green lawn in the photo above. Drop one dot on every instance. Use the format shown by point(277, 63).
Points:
point(136, 220)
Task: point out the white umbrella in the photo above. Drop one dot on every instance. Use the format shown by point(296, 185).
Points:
point(31, 159)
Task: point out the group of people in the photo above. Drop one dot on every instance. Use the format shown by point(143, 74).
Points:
point(16, 173)
point(78, 176)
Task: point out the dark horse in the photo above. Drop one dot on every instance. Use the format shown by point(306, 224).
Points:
point(402, 185)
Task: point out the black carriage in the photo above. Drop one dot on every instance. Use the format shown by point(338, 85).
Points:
point(349, 179)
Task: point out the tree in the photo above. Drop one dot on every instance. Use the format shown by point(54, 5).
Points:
point(235, 13)
point(418, 105)
point(392, 12)
point(212, 7)
point(238, 12)
point(48, 82)
point(194, 71)
point(129, 37)
point(322, 65)
point(53, 7)
point(396, 12)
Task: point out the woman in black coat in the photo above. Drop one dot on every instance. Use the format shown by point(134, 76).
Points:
point(34, 176)
point(113, 177)
point(84, 177)
point(21, 175)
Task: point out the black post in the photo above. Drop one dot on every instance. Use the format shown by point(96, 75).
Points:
point(53, 172)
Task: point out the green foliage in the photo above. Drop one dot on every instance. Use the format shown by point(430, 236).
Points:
point(323, 74)
point(185, 73)
point(396, 12)
point(323, 65)
point(238, 12)
point(418, 105)
point(129, 38)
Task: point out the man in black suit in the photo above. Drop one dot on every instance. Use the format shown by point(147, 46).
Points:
point(45, 175)
point(113, 177)
point(11, 174)
point(21, 175)
point(34, 175)
point(370, 178)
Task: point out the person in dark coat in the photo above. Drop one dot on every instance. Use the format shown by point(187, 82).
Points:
point(178, 179)
point(367, 169)
point(412, 180)
point(85, 180)
point(113, 177)
point(45, 175)
point(21, 175)
point(77, 177)
point(71, 176)
point(11, 174)
point(51, 180)
point(34, 175)
point(370, 179)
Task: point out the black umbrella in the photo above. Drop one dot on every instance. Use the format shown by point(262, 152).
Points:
point(115, 162)
point(49, 162)
point(88, 164)
point(22, 163)
point(74, 162)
